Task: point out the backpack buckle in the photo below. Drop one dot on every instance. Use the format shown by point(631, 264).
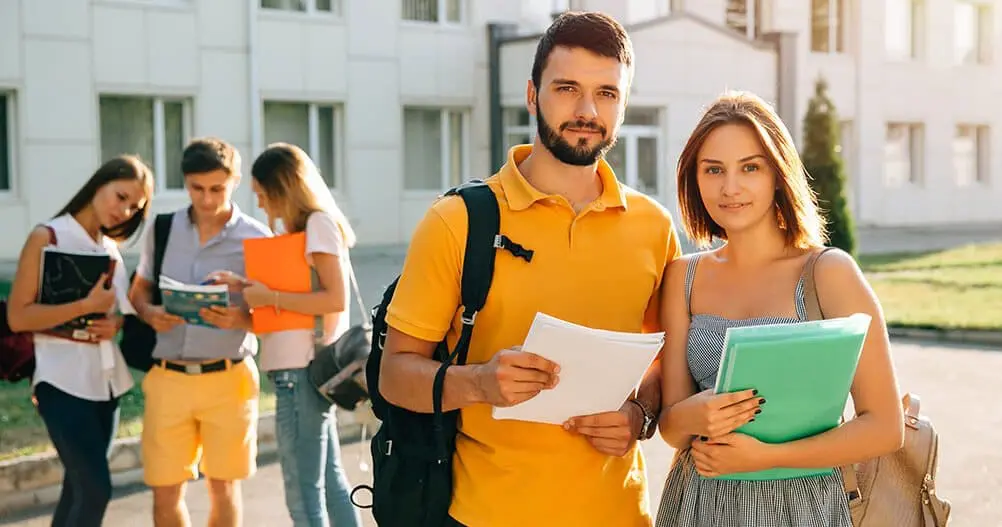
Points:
point(469, 320)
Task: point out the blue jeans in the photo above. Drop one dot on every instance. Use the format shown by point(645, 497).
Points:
point(82, 432)
point(309, 450)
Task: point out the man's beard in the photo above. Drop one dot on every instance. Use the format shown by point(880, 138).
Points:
point(578, 155)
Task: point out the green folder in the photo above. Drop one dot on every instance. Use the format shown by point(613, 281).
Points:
point(804, 371)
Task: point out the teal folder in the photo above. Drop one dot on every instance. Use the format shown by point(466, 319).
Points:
point(803, 370)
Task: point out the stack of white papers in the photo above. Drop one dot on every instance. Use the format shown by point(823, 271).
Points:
point(599, 369)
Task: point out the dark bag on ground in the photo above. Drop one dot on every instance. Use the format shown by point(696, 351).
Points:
point(412, 452)
point(139, 338)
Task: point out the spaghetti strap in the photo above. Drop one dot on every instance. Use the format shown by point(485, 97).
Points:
point(690, 275)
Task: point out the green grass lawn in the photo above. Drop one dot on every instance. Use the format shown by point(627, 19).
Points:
point(959, 288)
point(956, 289)
point(22, 431)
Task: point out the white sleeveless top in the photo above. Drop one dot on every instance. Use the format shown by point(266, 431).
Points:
point(94, 372)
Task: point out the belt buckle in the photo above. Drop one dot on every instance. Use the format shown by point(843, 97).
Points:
point(193, 369)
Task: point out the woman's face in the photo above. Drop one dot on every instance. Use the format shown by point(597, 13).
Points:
point(262, 199)
point(736, 182)
point(117, 201)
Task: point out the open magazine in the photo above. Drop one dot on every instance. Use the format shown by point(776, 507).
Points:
point(187, 300)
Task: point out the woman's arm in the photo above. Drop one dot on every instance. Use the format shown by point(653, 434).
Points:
point(878, 428)
point(23, 313)
point(676, 381)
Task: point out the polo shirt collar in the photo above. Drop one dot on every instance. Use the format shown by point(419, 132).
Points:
point(520, 194)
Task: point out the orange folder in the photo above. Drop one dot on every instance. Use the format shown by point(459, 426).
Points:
point(279, 262)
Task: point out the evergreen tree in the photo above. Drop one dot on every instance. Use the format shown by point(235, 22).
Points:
point(824, 163)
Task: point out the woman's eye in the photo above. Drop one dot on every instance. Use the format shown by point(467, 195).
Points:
point(751, 168)
point(714, 170)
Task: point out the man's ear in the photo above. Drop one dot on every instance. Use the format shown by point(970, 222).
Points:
point(531, 97)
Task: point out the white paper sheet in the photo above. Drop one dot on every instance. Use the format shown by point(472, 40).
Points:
point(598, 369)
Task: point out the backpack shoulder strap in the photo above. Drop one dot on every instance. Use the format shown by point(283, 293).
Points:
point(812, 303)
point(161, 232)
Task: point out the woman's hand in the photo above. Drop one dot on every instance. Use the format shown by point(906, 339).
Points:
point(105, 328)
point(100, 300)
point(708, 415)
point(730, 454)
point(257, 294)
point(234, 282)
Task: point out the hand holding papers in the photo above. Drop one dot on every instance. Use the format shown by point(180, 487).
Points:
point(598, 369)
point(804, 370)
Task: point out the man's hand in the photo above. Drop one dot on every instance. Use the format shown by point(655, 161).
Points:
point(104, 328)
point(611, 433)
point(225, 317)
point(513, 376)
point(161, 321)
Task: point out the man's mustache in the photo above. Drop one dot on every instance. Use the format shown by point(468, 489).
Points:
point(583, 125)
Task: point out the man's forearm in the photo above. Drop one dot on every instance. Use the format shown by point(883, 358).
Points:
point(406, 380)
point(649, 392)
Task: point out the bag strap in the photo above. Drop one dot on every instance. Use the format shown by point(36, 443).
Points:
point(484, 225)
point(161, 232)
point(812, 305)
point(357, 293)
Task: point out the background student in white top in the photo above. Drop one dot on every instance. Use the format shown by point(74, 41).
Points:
point(290, 190)
point(77, 383)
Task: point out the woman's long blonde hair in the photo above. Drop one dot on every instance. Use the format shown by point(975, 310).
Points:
point(294, 189)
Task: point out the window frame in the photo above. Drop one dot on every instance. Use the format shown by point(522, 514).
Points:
point(10, 101)
point(159, 161)
point(337, 9)
point(441, 12)
point(313, 134)
point(917, 10)
point(445, 131)
point(982, 154)
point(983, 25)
point(839, 12)
point(916, 154)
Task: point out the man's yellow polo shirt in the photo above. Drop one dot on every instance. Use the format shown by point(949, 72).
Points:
point(600, 268)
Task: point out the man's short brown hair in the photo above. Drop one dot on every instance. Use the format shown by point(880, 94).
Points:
point(207, 154)
point(597, 32)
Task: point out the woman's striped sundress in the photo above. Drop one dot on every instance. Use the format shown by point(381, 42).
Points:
point(689, 500)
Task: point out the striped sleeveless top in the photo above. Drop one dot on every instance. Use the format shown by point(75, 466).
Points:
point(689, 500)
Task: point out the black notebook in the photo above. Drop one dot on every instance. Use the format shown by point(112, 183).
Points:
point(68, 276)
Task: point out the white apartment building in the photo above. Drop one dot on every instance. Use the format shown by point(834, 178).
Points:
point(397, 100)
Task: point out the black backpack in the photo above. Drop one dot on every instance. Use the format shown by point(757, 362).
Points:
point(412, 452)
point(138, 338)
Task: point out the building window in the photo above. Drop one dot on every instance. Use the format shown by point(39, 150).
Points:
point(316, 128)
point(7, 136)
point(304, 6)
point(519, 127)
point(636, 156)
point(437, 11)
point(154, 128)
point(827, 26)
point(905, 28)
point(970, 155)
point(745, 16)
point(903, 154)
point(436, 148)
point(972, 33)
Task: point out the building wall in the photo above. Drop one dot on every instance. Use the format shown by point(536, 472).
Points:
point(226, 57)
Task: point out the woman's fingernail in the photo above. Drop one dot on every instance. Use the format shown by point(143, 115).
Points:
point(758, 411)
point(754, 392)
point(761, 401)
point(702, 438)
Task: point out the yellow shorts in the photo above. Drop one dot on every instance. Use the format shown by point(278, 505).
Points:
point(207, 420)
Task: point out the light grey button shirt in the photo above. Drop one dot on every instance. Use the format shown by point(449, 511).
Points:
point(185, 259)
